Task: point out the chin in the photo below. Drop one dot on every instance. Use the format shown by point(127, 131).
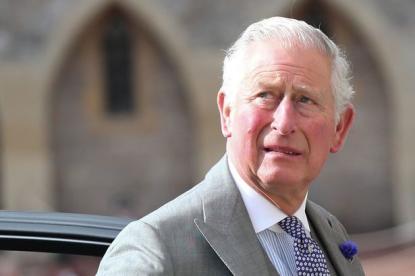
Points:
point(273, 173)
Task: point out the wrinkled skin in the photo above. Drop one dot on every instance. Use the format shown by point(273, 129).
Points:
point(280, 126)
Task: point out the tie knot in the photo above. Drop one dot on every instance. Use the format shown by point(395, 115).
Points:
point(293, 226)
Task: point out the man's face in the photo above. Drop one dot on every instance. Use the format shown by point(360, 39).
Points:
point(281, 126)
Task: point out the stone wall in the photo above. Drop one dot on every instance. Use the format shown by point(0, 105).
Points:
point(375, 171)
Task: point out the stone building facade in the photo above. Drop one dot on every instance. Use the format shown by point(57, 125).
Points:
point(68, 143)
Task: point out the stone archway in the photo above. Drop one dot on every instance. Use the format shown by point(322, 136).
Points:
point(120, 164)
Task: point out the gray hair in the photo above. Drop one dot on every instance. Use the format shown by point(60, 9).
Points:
point(290, 32)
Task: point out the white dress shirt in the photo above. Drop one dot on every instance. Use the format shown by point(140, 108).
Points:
point(265, 216)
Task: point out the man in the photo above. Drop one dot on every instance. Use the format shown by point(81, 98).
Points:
point(284, 106)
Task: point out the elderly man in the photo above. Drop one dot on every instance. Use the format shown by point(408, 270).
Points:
point(284, 106)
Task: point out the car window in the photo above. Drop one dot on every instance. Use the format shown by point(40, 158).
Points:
point(16, 263)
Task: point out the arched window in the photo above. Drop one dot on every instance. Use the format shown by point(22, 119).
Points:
point(116, 46)
point(109, 158)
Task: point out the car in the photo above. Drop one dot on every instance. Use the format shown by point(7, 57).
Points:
point(65, 234)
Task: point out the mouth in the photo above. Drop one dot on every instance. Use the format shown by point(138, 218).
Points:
point(282, 150)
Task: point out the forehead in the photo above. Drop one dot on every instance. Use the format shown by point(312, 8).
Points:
point(307, 64)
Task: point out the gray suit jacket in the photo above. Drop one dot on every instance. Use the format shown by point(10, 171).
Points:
point(207, 231)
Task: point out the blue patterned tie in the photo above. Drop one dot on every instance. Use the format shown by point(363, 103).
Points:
point(309, 258)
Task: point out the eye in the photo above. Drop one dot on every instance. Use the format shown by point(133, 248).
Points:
point(307, 105)
point(265, 99)
point(305, 100)
point(264, 95)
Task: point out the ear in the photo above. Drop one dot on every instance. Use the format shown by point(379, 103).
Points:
point(225, 112)
point(342, 128)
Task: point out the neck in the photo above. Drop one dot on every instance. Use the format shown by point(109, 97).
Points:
point(287, 200)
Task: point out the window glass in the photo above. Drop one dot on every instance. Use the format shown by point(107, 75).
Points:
point(14, 263)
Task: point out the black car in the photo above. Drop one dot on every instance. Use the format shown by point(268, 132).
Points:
point(67, 236)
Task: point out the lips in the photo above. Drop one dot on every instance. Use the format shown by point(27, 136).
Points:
point(284, 150)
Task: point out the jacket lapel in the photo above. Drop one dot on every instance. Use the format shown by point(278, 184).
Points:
point(331, 234)
point(227, 228)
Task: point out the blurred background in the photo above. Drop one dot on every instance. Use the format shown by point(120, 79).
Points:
point(109, 107)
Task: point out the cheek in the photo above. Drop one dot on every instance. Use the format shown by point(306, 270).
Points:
point(321, 136)
point(252, 123)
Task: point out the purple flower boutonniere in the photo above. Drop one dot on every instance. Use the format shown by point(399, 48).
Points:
point(349, 249)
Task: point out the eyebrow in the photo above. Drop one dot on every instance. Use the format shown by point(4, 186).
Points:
point(279, 84)
point(303, 88)
point(270, 83)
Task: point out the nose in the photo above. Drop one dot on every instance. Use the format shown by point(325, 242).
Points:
point(284, 118)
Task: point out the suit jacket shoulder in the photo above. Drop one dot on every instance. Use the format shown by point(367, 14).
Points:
point(205, 231)
point(154, 244)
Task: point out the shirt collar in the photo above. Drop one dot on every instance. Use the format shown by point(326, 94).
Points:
point(262, 213)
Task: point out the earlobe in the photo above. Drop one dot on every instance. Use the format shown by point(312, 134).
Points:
point(342, 128)
point(224, 111)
